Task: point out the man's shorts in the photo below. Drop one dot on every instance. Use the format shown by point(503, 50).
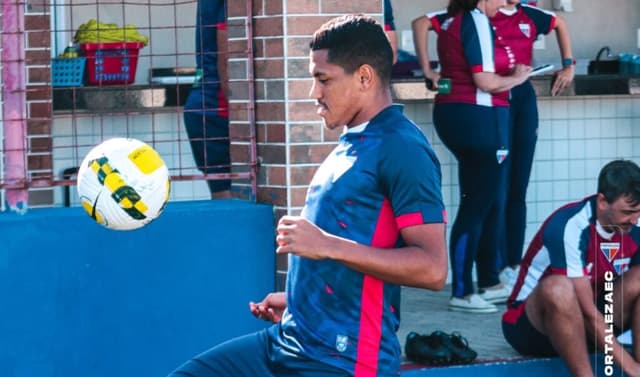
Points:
point(254, 355)
point(522, 336)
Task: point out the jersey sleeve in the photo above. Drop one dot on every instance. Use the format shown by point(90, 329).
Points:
point(544, 20)
point(477, 42)
point(566, 243)
point(410, 174)
point(437, 18)
point(635, 236)
point(389, 23)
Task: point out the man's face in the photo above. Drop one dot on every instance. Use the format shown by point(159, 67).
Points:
point(620, 215)
point(336, 92)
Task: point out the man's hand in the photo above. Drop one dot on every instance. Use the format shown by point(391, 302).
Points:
point(301, 237)
point(271, 308)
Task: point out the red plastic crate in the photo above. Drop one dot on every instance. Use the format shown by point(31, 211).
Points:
point(111, 63)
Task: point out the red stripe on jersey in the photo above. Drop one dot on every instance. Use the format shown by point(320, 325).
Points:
point(513, 314)
point(223, 105)
point(384, 236)
point(554, 21)
point(409, 219)
point(435, 24)
point(476, 68)
point(370, 328)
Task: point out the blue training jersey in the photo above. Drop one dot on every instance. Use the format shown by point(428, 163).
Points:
point(374, 183)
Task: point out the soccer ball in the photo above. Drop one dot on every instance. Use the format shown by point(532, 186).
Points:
point(123, 184)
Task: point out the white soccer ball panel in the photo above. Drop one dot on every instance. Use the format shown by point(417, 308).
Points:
point(123, 184)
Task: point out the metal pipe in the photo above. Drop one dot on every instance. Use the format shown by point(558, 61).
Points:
point(251, 105)
point(14, 108)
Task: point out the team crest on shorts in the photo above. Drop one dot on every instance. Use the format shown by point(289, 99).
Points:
point(341, 343)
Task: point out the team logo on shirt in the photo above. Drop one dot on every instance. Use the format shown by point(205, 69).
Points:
point(446, 23)
point(610, 249)
point(525, 29)
point(621, 265)
point(341, 343)
point(501, 155)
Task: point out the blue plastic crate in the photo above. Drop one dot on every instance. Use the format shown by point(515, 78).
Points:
point(67, 71)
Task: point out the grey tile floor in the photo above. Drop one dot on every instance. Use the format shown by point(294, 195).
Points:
point(425, 311)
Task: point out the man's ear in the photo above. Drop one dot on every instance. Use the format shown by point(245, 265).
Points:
point(366, 75)
point(601, 202)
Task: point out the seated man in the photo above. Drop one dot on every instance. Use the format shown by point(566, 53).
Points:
point(579, 280)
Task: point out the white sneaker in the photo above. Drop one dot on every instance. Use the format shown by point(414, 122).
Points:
point(508, 276)
point(495, 296)
point(471, 304)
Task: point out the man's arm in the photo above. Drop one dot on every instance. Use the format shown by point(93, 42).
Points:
point(422, 263)
point(596, 327)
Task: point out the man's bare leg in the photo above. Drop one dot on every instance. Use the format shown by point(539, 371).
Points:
point(553, 309)
point(627, 306)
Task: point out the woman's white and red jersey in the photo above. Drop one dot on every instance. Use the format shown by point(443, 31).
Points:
point(572, 242)
point(520, 27)
point(467, 45)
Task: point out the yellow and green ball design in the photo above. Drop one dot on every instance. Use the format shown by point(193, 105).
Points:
point(123, 184)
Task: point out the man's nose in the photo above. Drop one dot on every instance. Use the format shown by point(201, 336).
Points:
point(314, 91)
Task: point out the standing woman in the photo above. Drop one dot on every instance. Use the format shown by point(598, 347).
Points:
point(519, 26)
point(471, 117)
point(206, 110)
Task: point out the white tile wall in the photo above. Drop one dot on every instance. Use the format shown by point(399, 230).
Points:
point(576, 137)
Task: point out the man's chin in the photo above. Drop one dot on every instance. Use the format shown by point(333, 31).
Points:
point(329, 125)
point(622, 229)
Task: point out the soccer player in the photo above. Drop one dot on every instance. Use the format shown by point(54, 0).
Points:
point(518, 26)
point(373, 220)
point(579, 281)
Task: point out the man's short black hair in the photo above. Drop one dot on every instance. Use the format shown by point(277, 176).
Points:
point(353, 40)
point(620, 178)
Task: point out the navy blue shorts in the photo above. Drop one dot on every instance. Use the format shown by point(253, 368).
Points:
point(209, 139)
point(251, 356)
point(527, 340)
point(522, 336)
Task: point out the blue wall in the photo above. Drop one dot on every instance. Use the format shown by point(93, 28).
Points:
point(79, 300)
